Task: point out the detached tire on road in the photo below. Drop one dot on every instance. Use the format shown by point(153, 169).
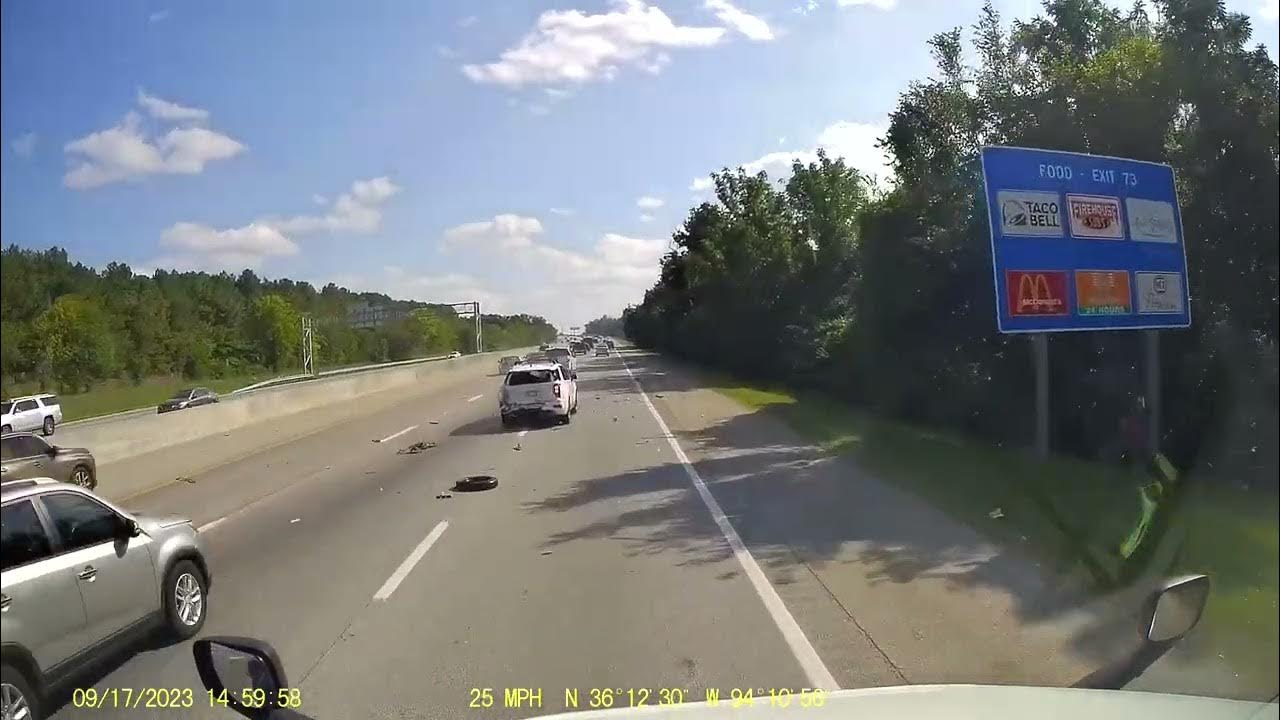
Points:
point(47, 428)
point(16, 692)
point(185, 600)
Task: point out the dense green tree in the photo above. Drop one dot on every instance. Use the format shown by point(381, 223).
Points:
point(884, 296)
point(75, 343)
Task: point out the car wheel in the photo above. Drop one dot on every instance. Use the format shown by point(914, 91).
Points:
point(6, 429)
point(507, 422)
point(82, 476)
point(184, 599)
point(47, 428)
point(17, 696)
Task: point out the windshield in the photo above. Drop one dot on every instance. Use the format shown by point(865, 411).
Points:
point(885, 343)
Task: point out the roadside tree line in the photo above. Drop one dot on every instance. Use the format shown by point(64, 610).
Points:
point(880, 291)
point(66, 325)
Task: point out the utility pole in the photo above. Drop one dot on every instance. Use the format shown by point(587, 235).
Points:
point(479, 331)
point(308, 348)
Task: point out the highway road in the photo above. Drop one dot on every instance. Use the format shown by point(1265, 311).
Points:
point(664, 541)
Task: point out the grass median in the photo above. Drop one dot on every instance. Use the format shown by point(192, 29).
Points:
point(1070, 513)
point(112, 396)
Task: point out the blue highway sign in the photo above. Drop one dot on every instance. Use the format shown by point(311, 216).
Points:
point(1084, 242)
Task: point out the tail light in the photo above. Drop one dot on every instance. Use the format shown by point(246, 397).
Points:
point(555, 388)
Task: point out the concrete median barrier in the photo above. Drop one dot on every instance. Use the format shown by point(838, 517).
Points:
point(133, 434)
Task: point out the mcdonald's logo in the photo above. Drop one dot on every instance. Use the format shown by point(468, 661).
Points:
point(1033, 293)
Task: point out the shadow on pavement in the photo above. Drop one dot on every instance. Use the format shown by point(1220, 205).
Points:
point(104, 667)
point(793, 503)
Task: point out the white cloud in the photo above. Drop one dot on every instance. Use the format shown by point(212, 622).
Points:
point(563, 212)
point(877, 4)
point(649, 202)
point(467, 21)
point(646, 217)
point(125, 152)
point(318, 199)
point(25, 144)
point(158, 16)
point(808, 7)
point(570, 46)
point(753, 27)
point(855, 142)
point(128, 150)
point(359, 210)
point(166, 110)
point(557, 93)
point(563, 283)
point(200, 247)
point(194, 246)
point(507, 231)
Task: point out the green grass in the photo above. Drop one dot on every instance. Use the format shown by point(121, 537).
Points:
point(113, 396)
point(1070, 513)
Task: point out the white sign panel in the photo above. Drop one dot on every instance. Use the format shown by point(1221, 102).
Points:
point(1095, 216)
point(1037, 214)
point(1151, 220)
point(1159, 292)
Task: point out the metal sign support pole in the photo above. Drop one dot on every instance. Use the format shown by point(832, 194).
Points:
point(1151, 351)
point(479, 331)
point(1040, 348)
point(308, 348)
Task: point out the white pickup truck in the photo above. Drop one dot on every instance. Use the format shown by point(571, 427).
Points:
point(538, 390)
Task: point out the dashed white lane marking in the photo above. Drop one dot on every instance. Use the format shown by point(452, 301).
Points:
point(395, 435)
point(406, 567)
point(474, 398)
point(816, 671)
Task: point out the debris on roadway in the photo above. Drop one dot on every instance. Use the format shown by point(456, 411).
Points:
point(416, 448)
point(185, 479)
point(996, 514)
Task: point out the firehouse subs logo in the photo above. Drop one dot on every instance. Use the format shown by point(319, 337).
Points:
point(1036, 292)
point(1094, 216)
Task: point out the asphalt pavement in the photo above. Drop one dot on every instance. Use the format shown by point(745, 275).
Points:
point(652, 550)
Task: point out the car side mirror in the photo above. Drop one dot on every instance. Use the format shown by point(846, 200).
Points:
point(244, 673)
point(1169, 614)
point(128, 528)
point(1176, 608)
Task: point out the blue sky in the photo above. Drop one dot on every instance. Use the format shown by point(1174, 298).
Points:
point(535, 156)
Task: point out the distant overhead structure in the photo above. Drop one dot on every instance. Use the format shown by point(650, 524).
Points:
point(472, 309)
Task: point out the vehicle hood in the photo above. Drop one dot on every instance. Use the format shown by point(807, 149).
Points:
point(152, 523)
point(953, 702)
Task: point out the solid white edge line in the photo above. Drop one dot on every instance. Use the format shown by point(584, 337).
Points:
point(395, 435)
point(814, 669)
point(474, 398)
point(403, 571)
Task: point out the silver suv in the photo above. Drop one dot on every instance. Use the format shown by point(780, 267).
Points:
point(82, 578)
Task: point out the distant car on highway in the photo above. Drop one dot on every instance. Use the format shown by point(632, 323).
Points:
point(31, 412)
point(188, 398)
point(565, 358)
point(83, 580)
point(538, 390)
point(601, 350)
point(609, 343)
point(508, 362)
point(24, 456)
point(578, 348)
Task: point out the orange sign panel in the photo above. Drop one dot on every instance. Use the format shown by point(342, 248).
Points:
point(1103, 292)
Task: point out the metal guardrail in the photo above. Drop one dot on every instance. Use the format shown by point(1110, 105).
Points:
point(273, 382)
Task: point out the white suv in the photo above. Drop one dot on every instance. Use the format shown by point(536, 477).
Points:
point(31, 412)
point(538, 390)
